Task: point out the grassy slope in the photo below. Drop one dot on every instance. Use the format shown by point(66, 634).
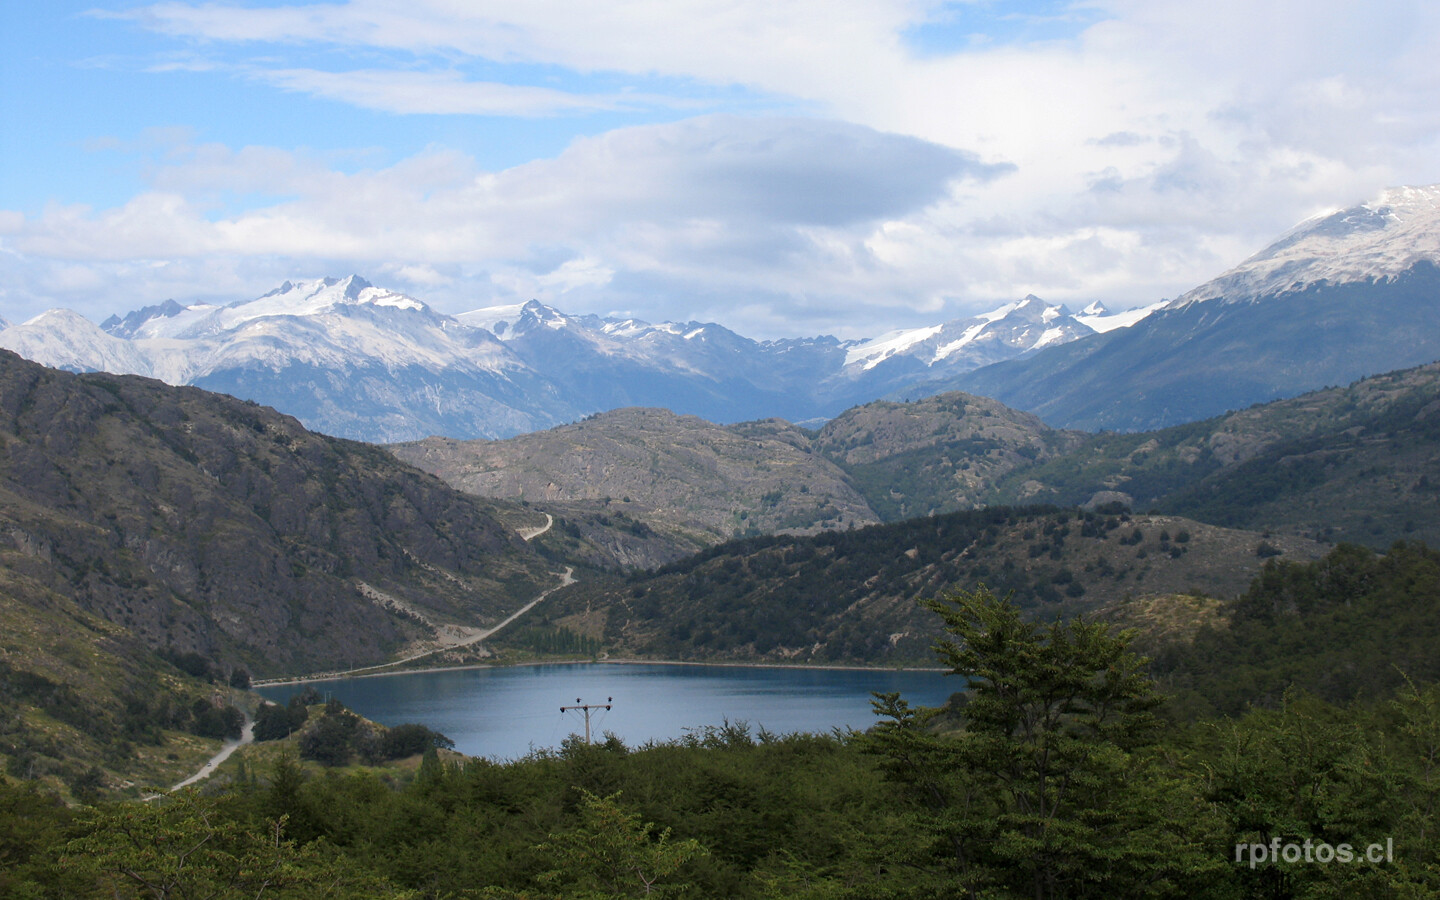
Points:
point(79, 692)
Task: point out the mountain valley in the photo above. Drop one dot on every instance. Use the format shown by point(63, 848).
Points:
point(159, 544)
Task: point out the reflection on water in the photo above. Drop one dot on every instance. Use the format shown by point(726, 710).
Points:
point(504, 713)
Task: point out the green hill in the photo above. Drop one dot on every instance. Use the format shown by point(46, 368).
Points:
point(1348, 463)
point(849, 596)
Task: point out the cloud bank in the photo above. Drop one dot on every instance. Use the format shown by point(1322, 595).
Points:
point(891, 162)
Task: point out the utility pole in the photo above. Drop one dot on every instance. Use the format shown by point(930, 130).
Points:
point(586, 708)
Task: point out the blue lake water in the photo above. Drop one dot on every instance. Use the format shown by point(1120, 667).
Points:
point(505, 713)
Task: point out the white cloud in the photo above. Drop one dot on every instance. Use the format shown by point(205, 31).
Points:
point(748, 204)
point(722, 41)
point(445, 93)
point(1153, 147)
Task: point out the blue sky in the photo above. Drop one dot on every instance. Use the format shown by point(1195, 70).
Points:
point(782, 168)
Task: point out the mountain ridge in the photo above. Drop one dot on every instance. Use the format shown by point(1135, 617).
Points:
point(215, 526)
point(1338, 298)
point(359, 361)
point(1268, 467)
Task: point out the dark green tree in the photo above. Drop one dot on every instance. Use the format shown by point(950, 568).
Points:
point(612, 854)
point(189, 848)
point(1052, 788)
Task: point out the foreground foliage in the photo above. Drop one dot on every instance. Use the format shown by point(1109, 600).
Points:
point(1058, 778)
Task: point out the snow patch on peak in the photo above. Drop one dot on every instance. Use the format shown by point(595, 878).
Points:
point(871, 353)
point(498, 320)
point(133, 321)
point(1048, 337)
point(625, 328)
point(1098, 318)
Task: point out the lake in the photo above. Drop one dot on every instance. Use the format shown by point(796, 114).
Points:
point(506, 712)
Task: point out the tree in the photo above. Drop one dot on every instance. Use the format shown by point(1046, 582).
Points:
point(331, 739)
point(274, 722)
point(411, 739)
point(612, 854)
point(1051, 788)
point(1311, 775)
point(188, 847)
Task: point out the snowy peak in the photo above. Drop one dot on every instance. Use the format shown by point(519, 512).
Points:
point(308, 298)
point(129, 326)
point(537, 315)
point(1098, 317)
point(1378, 240)
point(318, 297)
point(516, 321)
point(67, 340)
point(513, 320)
point(1009, 330)
point(1033, 309)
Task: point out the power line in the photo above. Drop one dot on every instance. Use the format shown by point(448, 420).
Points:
point(586, 708)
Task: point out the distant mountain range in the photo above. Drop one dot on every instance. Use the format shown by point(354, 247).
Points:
point(1340, 297)
point(354, 360)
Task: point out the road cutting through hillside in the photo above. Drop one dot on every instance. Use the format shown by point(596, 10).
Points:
point(463, 639)
point(530, 534)
point(247, 735)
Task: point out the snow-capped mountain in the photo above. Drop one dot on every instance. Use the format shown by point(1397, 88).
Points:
point(692, 367)
point(965, 344)
point(1376, 241)
point(343, 356)
point(1339, 297)
point(355, 360)
point(64, 339)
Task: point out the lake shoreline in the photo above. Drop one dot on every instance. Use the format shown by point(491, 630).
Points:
point(311, 679)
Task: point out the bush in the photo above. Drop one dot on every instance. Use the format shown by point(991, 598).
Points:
point(274, 722)
point(412, 740)
point(328, 741)
point(216, 721)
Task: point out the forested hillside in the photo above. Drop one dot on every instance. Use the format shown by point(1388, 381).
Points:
point(1352, 463)
point(850, 596)
point(1066, 773)
point(160, 545)
point(1353, 626)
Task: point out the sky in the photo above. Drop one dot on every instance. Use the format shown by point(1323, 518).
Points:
point(782, 168)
